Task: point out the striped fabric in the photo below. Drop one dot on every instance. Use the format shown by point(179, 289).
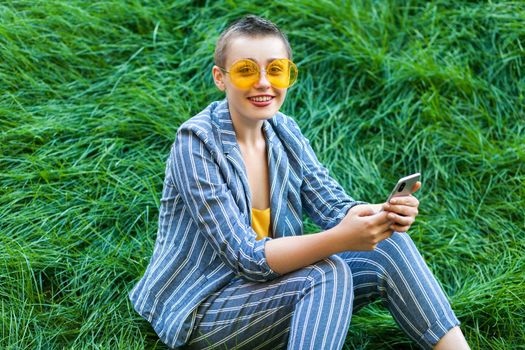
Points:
point(310, 308)
point(204, 236)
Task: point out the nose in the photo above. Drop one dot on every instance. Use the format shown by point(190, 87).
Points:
point(263, 82)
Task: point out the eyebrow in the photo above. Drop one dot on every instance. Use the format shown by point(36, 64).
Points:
point(267, 61)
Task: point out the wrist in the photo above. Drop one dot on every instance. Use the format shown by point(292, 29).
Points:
point(341, 237)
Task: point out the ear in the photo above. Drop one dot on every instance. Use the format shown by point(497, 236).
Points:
point(218, 78)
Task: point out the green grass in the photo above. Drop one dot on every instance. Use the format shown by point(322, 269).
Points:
point(92, 94)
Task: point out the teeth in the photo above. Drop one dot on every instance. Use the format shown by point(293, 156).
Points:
point(261, 98)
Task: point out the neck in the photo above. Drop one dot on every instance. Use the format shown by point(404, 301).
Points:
point(249, 133)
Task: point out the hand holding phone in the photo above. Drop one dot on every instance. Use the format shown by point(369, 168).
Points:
point(404, 212)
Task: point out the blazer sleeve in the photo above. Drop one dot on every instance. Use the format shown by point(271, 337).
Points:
point(213, 208)
point(323, 198)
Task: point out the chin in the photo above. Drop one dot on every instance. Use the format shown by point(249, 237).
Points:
point(266, 112)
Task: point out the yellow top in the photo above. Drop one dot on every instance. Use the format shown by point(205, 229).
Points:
point(261, 222)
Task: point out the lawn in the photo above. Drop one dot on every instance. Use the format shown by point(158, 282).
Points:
point(92, 94)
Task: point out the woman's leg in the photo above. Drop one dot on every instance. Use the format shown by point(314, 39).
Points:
point(397, 273)
point(309, 308)
point(453, 340)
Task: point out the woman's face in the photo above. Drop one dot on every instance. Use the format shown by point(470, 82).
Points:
point(261, 100)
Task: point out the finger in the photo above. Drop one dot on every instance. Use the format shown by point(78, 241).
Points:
point(366, 212)
point(385, 226)
point(362, 210)
point(380, 218)
point(402, 210)
point(399, 228)
point(400, 220)
point(409, 200)
point(386, 234)
point(416, 186)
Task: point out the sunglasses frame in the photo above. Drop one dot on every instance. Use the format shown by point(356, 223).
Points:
point(265, 70)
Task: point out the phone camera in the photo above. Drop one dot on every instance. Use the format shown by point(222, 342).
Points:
point(401, 187)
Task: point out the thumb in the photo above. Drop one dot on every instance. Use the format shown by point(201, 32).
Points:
point(366, 212)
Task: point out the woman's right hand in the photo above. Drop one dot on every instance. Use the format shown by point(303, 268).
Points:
point(363, 227)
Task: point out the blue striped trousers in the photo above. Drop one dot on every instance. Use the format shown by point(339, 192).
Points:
point(311, 308)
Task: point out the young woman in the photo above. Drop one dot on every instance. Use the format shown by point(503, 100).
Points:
point(231, 267)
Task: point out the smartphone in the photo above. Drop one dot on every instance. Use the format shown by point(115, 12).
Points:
point(404, 186)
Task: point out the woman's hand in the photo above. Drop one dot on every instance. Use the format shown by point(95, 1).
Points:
point(403, 210)
point(363, 227)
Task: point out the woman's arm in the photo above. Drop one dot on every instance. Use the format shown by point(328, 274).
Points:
point(361, 229)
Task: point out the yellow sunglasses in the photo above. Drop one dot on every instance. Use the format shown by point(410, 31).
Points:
point(281, 73)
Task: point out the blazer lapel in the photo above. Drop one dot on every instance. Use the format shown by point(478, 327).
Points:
point(233, 154)
point(279, 172)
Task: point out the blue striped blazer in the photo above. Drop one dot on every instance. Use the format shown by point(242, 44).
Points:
point(204, 237)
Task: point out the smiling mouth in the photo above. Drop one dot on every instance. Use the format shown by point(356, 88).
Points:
point(261, 98)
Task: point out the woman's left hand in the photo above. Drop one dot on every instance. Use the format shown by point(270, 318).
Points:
point(403, 210)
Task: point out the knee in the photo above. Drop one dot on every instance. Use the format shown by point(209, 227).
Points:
point(398, 243)
point(397, 255)
point(335, 271)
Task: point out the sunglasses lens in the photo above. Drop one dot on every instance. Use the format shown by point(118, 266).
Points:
point(282, 73)
point(244, 74)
